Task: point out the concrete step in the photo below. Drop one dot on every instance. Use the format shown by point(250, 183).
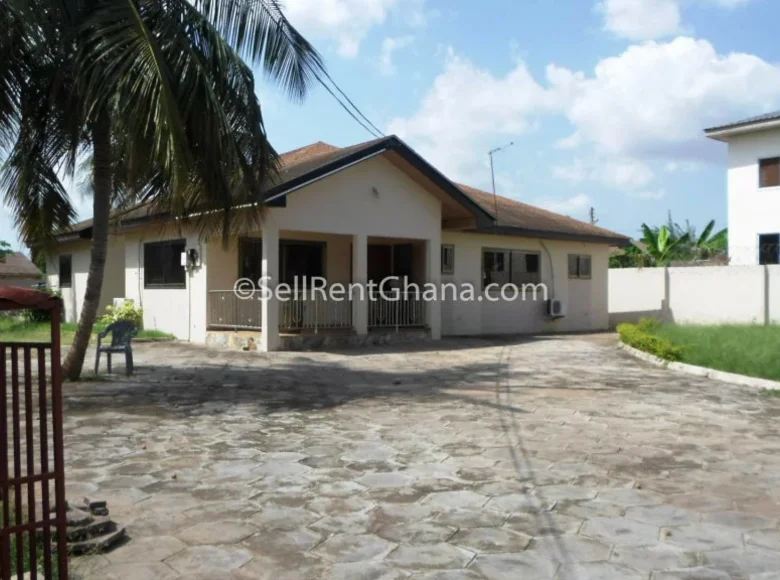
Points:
point(98, 544)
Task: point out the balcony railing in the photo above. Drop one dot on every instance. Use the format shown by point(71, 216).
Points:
point(396, 310)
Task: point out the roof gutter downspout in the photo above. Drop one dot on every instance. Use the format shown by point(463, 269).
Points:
point(552, 268)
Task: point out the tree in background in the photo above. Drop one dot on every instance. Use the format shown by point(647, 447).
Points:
point(158, 96)
point(5, 249)
point(671, 242)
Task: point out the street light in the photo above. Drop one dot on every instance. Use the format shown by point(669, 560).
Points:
point(493, 174)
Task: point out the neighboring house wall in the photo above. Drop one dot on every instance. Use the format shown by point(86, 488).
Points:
point(22, 282)
point(726, 295)
point(113, 279)
point(751, 210)
point(585, 301)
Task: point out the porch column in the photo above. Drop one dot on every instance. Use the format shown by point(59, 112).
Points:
point(269, 340)
point(433, 272)
point(360, 276)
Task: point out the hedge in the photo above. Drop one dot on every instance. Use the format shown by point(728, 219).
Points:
point(637, 335)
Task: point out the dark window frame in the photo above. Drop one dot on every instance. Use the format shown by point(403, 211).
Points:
point(250, 272)
point(448, 269)
point(762, 172)
point(506, 266)
point(173, 278)
point(766, 257)
point(284, 246)
point(578, 269)
point(60, 278)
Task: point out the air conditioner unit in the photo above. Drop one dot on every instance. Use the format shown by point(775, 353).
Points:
point(119, 301)
point(554, 309)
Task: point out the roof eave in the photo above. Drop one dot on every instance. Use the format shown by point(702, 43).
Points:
point(725, 133)
point(618, 241)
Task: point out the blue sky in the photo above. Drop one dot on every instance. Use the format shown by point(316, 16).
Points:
point(605, 100)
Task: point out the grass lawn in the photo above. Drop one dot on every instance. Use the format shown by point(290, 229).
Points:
point(14, 330)
point(746, 350)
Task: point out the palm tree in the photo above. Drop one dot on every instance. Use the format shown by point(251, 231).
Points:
point(158, 94)
point(661, 244)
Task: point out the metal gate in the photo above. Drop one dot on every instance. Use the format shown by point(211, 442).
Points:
point(32, 523)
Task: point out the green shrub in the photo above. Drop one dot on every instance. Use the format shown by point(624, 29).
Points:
point(127, 311)
point(633, 335)
point(649, 325)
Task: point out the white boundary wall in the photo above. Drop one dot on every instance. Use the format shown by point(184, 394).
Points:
point(696, 295)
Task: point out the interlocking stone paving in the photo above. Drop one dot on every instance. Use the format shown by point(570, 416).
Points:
point(550, 458)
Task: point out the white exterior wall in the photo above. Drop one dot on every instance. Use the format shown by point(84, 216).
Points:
point(716, 295)
point(585, 301)
point(773, 294)
point(178, 311)
point(751, 210)
point(347, 203)
point(113, 280)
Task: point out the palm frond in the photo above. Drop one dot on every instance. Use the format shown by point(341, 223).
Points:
point(261, 34)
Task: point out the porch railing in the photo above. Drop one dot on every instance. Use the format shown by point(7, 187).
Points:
point(308, 310)
point(396, 310)
point(304, 311)
point(228, 311)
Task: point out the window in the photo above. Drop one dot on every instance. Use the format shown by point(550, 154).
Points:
point(769, 249)
point(301, 260)
point(769, 172)
point(509, 267)
point(447, 259)
point(162, 265)
point(66, 271)
point(579, 267)
point(250, 259)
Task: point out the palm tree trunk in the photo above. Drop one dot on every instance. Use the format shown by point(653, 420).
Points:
point(102, 189)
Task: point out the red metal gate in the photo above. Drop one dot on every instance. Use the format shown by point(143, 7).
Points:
point(32, 521)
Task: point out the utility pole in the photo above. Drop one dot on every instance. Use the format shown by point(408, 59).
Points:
point(493, 175)
point(593, 220)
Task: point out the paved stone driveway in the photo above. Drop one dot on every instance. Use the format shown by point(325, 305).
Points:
point(551, 458)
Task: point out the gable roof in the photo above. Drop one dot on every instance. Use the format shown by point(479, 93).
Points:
point(743, 125)
point(305, 165)
point(17, 265)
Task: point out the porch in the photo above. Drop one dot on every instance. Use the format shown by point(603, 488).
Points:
point(318, 285)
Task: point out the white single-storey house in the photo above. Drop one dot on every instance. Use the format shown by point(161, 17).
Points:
point(353, 215)
point(753, 188)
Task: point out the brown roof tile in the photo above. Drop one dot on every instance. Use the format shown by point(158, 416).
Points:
point(515, 214)
point(511, 214)
point(17, 265)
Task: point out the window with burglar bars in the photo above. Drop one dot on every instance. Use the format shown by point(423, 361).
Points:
point(510, 267)
point(579, 267)
point(162, 264)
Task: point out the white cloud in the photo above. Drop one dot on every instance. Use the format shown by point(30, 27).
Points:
point(655, 99)
point(466, 110)
point(571, 142)
point(345, 21)
point(648, 19)
point(636, 113)
point(617, 173)
point(641, 19)
point(389, 47)
point(575, 204)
